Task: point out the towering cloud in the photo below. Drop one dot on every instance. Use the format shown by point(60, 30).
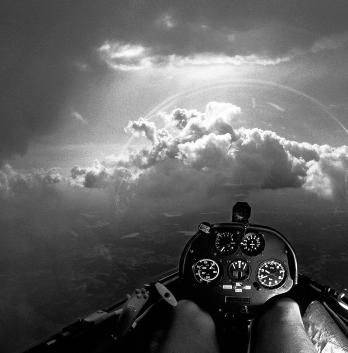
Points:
point(199, 154)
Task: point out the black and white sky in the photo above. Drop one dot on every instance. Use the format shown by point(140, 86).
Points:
point(110, 109)
point(80, 78)
point(74, 72)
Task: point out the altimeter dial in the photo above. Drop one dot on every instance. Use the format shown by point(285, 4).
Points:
point(206, 270)
point(252, 244)
point(226, 243)
point(271, 274)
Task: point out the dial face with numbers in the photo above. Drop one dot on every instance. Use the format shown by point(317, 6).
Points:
point(206, 270)
point(226, 243)
point(252, 244)
point(271, 274)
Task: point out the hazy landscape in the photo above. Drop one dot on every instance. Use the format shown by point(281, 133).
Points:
point(54, 281)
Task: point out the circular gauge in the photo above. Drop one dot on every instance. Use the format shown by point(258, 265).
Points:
point(239, 270)
point(226, 243)
point(206, 270)
point(252, 244)
point(271, 274)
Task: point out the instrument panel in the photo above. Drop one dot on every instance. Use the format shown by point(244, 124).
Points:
point(236, 268)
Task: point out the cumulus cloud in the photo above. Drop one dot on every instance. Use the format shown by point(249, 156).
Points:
point(218, 118)
point(199, 154)
point(144, 127)
point(13, 182)
point(194, 155)
point(97, 176)
point(328, 175)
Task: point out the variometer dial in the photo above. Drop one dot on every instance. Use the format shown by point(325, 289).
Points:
point(271, 274)
point(252, 244)
point(226, 243)
point(239, 270)
point(206, 270)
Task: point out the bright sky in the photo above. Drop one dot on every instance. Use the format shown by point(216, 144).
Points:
point(74, 73)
